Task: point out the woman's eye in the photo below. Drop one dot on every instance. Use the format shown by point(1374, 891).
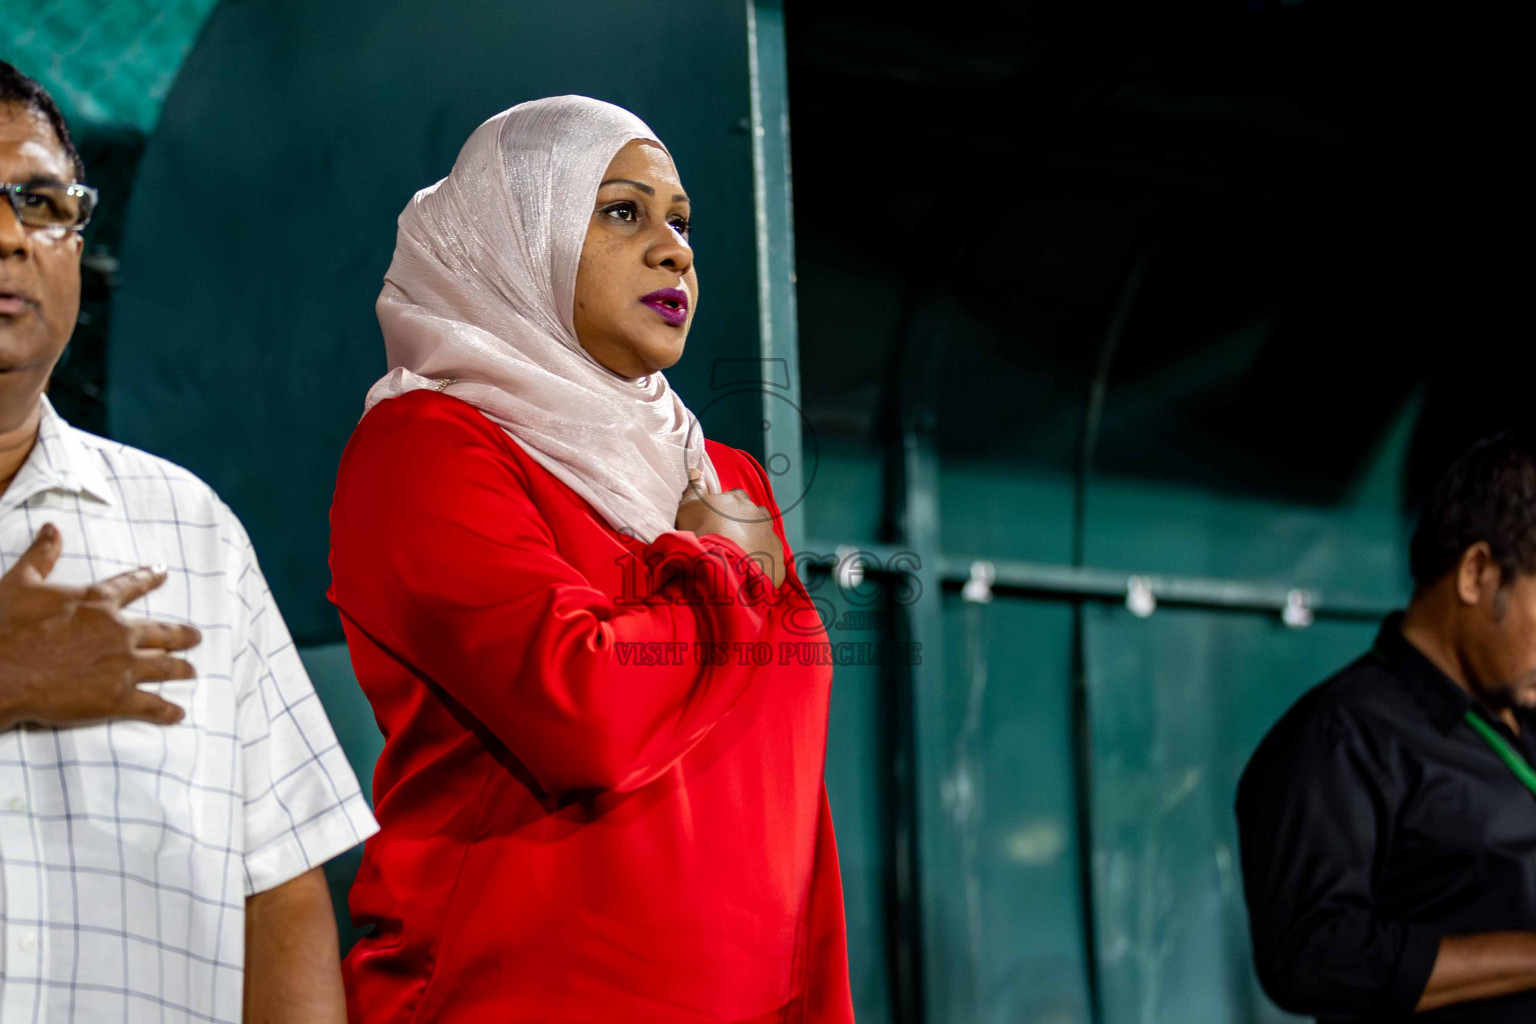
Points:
point(680, 225)
point(621, 211)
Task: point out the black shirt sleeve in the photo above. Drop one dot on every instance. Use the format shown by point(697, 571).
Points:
point(1315, 813)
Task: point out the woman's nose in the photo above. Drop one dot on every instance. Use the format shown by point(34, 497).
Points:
point(670, 251)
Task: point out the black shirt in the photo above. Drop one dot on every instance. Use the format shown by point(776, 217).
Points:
point(1373, 820)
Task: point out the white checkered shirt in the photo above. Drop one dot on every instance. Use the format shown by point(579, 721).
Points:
point(127, 850)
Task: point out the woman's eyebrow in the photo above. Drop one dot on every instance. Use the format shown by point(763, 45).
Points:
point(643, 187)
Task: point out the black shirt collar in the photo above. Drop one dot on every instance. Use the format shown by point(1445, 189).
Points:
point(1446, 702)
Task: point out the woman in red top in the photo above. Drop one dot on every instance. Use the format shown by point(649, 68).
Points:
point(596, 803)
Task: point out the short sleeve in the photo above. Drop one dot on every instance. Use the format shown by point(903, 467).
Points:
point(302, 802)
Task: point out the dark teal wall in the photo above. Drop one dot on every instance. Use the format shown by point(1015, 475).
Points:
point(1090, 291)
point(1173, 704)
point(1178, 703)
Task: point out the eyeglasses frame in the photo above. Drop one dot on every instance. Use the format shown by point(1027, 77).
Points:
point(13, 189)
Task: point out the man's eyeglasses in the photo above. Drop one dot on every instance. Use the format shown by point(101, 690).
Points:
point(51, 206)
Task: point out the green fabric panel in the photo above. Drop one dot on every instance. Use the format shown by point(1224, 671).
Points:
point(1356, 544)
point(1178, 703)
point(992, 510)
point(843, 501)
point(859, 790)
point(106, 62)
point(330, 669)
point(1008, 799)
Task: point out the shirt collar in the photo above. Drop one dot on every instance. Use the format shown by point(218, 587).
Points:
point(1446, 702)
point(60, 461)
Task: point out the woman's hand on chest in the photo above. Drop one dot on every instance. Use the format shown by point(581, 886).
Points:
point(735, 515)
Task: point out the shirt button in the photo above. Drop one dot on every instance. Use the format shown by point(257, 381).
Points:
point(27, 943)
point(16, 803)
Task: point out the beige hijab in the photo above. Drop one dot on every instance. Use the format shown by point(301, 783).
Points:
point(479, 299)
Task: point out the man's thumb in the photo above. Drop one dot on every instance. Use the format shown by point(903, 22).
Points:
point(37, 561)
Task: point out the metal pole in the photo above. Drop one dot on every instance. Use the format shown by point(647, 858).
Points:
point(783, 451)
point(1090, 583)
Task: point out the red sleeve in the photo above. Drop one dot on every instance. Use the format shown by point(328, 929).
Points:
point(439, 554)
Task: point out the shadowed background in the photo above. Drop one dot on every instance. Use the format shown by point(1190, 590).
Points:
point(1191, 302)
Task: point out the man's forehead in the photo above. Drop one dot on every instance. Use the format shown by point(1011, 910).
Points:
point(28, 146)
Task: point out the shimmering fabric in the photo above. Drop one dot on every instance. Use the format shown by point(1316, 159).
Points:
point(481, 293)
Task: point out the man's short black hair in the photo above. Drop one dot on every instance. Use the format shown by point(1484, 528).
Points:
point(16, 87)
point(1488, 494)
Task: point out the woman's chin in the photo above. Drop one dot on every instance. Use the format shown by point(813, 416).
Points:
point(663, 353)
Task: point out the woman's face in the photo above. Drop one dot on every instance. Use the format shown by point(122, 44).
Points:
point(636, 291)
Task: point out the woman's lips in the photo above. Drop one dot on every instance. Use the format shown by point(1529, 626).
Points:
point(671, 304)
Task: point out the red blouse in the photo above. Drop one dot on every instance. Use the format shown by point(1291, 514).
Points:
point(580, 822)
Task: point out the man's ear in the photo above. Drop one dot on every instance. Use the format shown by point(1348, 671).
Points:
point(1477, 574)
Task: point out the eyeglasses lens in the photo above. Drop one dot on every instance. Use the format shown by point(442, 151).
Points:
point(52, 206)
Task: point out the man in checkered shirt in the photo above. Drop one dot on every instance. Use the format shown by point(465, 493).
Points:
point(169, 784)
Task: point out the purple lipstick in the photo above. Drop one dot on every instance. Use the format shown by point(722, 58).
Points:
point(670, 303)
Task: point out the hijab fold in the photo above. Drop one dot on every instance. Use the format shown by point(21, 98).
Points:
point(479, 301)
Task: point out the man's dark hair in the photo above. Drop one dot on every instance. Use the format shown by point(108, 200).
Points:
point(1488, 494)
point(17, 88)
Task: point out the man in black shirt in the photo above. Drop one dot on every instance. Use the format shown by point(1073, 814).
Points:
point(1388, 821)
